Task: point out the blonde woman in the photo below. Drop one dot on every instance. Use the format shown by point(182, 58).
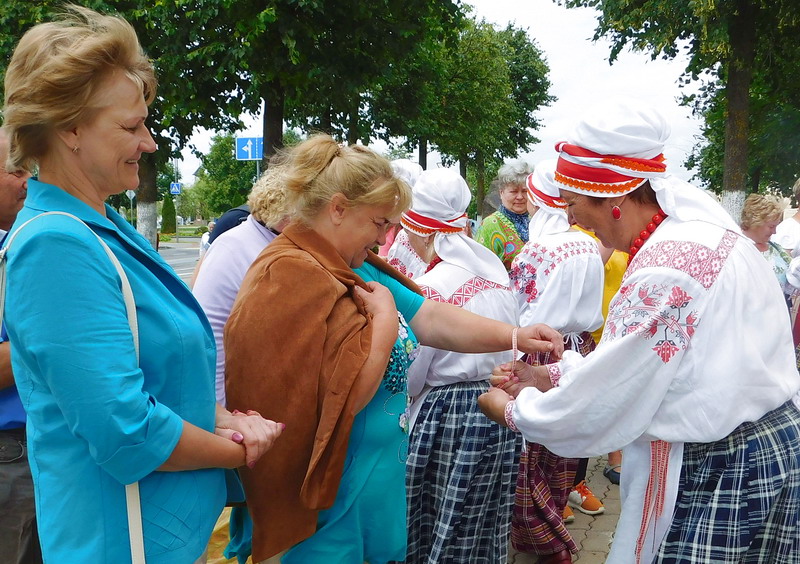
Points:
point(76, 97)
point(322, 334)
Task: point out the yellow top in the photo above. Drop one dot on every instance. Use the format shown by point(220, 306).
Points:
point(614, 269)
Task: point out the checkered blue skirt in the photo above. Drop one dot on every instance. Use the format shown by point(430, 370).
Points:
point(739, 498)
point(460, 480)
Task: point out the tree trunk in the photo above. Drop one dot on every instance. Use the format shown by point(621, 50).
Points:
point(480, 190)
point(352, 130)
point(326, 121)
point(756, 179)
point(146, 197)
point(742, 33)
point(273, 121)
point(423, 154)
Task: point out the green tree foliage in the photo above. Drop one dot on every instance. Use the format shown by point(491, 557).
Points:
point(316, 58)
point(732, 39)
point(168, 219)
point(473, 97)
point(197, 63)
point(190, 205)
point(223, 182)
point(774, 124)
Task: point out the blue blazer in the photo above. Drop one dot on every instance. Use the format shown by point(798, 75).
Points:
point(97, 419)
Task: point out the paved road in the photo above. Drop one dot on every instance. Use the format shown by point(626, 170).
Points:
point(181, 256)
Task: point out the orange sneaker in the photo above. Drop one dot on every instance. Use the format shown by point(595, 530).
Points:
point(582, 499)
point(569, 516)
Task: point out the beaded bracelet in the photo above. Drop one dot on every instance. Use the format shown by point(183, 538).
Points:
point(509, 418)
point(514, 349)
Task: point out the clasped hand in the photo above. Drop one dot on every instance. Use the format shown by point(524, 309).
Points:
point(507, 384)
point(249, 429)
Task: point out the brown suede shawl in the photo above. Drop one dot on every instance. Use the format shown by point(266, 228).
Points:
point(295, 343)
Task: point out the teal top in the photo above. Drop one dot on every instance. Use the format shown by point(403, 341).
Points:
point(97, 418)
point(367, 522)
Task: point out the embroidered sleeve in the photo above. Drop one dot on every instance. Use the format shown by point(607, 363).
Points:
point(554, 370)
point(662, 314)
point(649, 329)
point(510, 417)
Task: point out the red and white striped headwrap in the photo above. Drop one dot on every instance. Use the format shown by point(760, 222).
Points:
point(423, 225)
point(586, 172)
point(538, 197)
point(543, 192)
point(441, 198)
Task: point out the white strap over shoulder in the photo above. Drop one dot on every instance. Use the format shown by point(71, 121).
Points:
point(133, 502)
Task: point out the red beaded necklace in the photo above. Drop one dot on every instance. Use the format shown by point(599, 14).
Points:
point(644, 234)
point(436, 260)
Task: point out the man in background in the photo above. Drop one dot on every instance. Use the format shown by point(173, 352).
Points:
point(19, 541)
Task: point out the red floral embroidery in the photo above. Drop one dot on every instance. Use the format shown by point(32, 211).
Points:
point(400, 267)
point(651, 310)
point(665, 349)
point(678, 298)
point(524, 275)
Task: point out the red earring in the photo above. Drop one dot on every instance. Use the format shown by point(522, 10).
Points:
point(616, 213)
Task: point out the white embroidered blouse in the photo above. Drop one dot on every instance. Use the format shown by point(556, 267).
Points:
point(697, 341)
point(558, 279)
point(434, 367)
point(404, 258)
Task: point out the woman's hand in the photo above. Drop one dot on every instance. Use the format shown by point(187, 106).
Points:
point(540, 338)
point(255, 433)
point(493, 404)
point(378, 300)
point(523, 376)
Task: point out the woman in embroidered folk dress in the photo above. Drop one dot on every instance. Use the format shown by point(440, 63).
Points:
point(322, 333)
point(460, 464)
point(558, 279)
point(692, 377)
point(506, 230)
point(102, 413)
point(396, 250)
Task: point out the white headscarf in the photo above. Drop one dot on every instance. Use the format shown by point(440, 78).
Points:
point(407, 170)
point(440, 201)
point(616, 149)
point(551, 216)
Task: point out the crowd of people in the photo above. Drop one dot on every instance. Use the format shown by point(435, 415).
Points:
point(435, 402)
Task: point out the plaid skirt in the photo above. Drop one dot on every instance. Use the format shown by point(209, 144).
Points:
point(739, 498)
point(544, 481)
point(459, 480)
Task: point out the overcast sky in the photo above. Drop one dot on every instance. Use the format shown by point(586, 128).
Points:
point(580, 76)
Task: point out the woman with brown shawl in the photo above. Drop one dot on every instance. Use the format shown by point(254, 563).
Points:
point(317, 340)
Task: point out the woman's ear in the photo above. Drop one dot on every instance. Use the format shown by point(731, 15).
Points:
point(70, 138)
point(337, 208)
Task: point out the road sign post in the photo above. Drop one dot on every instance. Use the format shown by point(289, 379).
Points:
point(131, 195)
point(175, 190)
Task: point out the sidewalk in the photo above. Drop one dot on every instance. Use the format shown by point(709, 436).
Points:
point(592, 534)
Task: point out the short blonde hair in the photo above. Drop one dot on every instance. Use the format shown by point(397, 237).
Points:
point(796, 191)
point(267, 199)
point(56, 71)
point(316, 169)
point(759, 209)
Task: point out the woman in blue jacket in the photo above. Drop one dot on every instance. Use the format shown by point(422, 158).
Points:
point(76, 95)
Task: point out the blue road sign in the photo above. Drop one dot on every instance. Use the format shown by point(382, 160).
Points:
point(175, 188)
point(249, 148)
